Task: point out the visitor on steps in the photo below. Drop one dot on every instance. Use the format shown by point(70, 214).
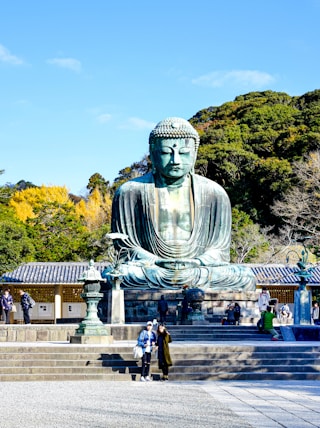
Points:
point(164, 359)
point(147, 339)
point(263, 302)
point(184, 310)
point(285, 313)
point(230, 314)
point(237, 313)
point(163, 309)
point(268, 323)
point(315, 314)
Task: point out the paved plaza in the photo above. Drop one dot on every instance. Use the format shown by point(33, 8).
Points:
point(100, 404)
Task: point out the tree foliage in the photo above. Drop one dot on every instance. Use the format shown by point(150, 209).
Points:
point(56, 231)
point(250, 145)
point(15, 245)
point(247, 240)
point(96, 210)
point(27, 201)
point(300, 206)
point(97, 182)
point(135, 170)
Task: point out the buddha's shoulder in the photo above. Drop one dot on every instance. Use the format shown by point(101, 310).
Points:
point(135, 183)
point(207, 183)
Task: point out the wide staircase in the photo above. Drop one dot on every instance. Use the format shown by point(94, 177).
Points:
point(217, 333)
point(196, 355)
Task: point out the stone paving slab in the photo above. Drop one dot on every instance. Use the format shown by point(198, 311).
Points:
point(260, 404)
point(113, 404)
point(271, 404)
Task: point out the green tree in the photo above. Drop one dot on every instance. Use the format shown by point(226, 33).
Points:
point(57, 233)
point(15, 245)
point(249, 146)
point(96, 181)
point(247, 240)
point(135, 170)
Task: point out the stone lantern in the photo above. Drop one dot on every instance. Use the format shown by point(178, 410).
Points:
point(91, 329)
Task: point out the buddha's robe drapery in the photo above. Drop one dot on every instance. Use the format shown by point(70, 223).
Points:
point(135, 214)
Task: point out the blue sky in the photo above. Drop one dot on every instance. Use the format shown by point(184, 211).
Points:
point(82, 83)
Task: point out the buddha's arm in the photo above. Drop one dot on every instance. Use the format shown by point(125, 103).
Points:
point(215, 231)
point(214, 257)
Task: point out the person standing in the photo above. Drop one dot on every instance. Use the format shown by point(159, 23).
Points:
point(25, 305)
point(6, 304)
point(237, 313)
point(263, 303)
point(268, 323)
point(230, 315)
point(147, 339)
point(184, 310)
point(315, 314)
point(163, 309)
point(164, 359)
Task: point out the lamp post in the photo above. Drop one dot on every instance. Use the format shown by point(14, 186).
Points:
point(302, 296)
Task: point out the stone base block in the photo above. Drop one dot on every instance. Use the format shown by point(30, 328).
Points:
point(199, 322)
point(91, 340)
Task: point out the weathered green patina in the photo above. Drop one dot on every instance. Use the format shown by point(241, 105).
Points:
point(178, 224)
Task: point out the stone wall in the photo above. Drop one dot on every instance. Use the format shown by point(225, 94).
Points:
point(141, 305)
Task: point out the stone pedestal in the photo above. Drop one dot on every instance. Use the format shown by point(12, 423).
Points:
point(302, 307)
point(116, 307)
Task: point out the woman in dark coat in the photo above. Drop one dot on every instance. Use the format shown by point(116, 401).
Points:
point(164, 359)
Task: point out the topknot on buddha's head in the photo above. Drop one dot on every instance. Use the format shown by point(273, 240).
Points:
point(174, 127)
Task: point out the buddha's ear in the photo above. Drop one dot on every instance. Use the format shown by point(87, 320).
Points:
point(151, 156)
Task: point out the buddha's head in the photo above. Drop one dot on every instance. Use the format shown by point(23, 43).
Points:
point(173, 148)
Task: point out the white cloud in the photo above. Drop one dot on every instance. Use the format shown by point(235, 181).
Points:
point(243, 78)
point(136, 123)
point(6, 56)
point(103, 118)
point(69, 63)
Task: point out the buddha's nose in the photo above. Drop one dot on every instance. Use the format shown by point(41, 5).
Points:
point(176, 158)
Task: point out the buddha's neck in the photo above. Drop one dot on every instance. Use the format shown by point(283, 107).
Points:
point(172, 182)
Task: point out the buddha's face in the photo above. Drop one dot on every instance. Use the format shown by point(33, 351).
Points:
point(174, 158)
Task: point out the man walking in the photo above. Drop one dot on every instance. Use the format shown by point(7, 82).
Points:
point(25, 305)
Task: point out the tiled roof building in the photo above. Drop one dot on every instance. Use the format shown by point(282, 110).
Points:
point(68, 273)
point(57, 290)
point(49, 273)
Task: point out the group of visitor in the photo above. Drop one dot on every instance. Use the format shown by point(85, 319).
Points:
point(267, 314)
point(8, 306)
point(269, 311)
point(233, 313)
point(150, 341)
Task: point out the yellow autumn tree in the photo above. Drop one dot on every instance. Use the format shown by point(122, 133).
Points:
point(25, 201)
point(96, 210)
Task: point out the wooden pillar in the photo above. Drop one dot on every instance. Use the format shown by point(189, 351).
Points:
point(57, 302)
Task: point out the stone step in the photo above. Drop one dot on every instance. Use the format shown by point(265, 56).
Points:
point(177, 377)
point(186, 363)
point(202, 362)
point(185, 370)
point(177, 351)
point(194, 357)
